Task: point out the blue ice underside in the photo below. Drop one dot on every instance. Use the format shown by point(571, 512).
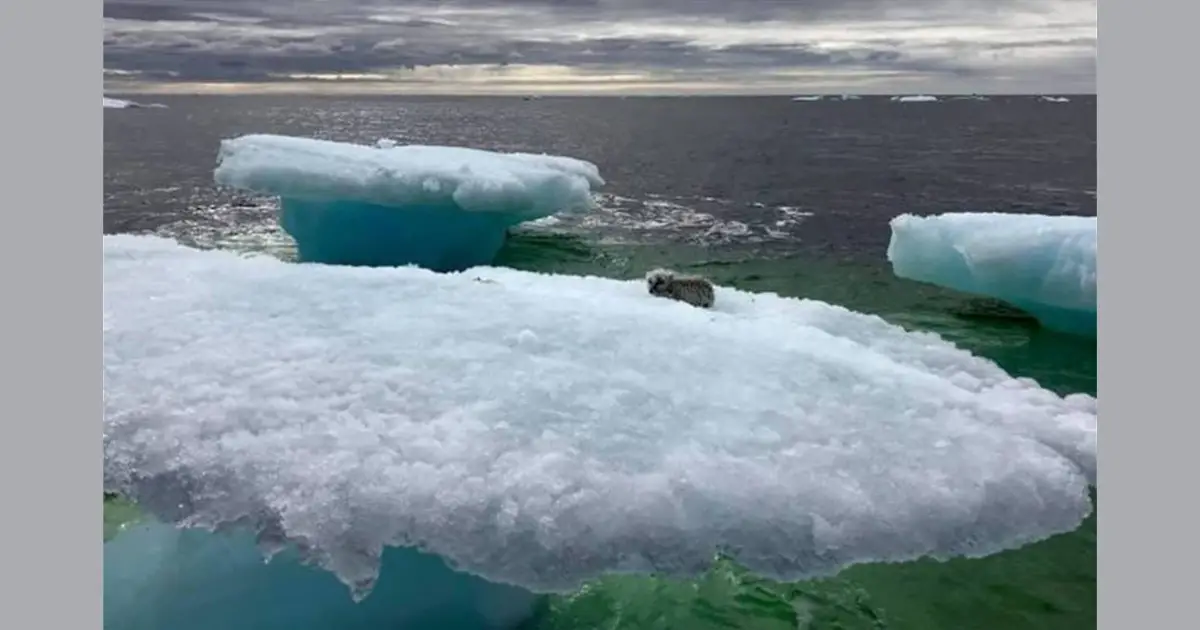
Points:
point(157, 577)
point(436, 237)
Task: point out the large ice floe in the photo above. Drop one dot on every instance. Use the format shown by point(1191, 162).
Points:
point(442, 208)
point(535, 431)
point(1044, 265)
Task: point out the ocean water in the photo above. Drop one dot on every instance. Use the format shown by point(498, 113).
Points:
point(759, 193)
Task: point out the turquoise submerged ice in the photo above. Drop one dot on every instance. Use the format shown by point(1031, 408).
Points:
point(1045, 265)
point(442, 208)
point(160, 577)
point(540, 430)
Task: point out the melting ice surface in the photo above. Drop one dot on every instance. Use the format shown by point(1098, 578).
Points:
point(540, 430)
point(1044, 265)
point(442, 208)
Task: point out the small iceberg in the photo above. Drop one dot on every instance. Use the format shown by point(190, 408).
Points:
point(1043, 265)
point(850, 97)
point(915, 98)
point(970, 97)
point(116, 103)
point(814, 97)
point(538, 431)
point(442, 208)
point(1054, 99)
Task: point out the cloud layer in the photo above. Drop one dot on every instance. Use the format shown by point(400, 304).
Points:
point(587, 46)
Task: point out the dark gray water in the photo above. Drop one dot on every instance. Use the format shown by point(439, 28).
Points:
point(844, 168)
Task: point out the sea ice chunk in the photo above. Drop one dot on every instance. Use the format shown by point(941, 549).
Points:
point(157, 576)
point(116, 103)
point(915, 98)
point(540, 430)
point(443, 208)
point(1044, 265)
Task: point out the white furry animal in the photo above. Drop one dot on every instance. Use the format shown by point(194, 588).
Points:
point(692, 290)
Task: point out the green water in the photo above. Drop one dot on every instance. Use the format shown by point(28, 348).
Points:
point(1049, 585)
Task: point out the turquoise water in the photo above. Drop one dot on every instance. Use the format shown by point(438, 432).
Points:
point(1049, 585)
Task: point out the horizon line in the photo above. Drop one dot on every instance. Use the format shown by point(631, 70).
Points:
point(541, 95)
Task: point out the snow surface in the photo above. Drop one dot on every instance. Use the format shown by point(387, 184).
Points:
point(1044, 265)
point(541, 430)
point(443, 208)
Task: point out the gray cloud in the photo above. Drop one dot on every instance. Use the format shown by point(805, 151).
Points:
point(981, 44)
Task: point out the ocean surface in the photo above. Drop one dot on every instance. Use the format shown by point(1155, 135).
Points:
point(763, 194)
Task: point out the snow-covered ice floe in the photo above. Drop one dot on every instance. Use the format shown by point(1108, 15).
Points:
point(442, 208)
point(538, 431)
point(915, 98)
point(1054, 99)
point(1044, 265)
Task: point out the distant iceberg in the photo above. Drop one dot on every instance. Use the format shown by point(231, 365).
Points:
point(442, 208)
point(1044, 265)
point(116, 103)
point(539, 430)
point(915, 98)
point(814, 97)
point(1054, 99)
point(850, 97)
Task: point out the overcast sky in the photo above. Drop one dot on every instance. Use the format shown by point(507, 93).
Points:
point(602, 46)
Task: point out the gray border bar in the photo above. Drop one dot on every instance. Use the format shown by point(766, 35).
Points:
point(1147, 335)
point(50, 456)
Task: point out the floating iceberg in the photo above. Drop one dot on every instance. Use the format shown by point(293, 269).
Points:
point(1054, 99)
point(116, 103)
point(815, 97)
point(442, 208)
point(916, 98)
point(1044, 265)
point(539, 430)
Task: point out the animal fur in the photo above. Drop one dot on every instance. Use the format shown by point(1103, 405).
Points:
point(692, 290)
